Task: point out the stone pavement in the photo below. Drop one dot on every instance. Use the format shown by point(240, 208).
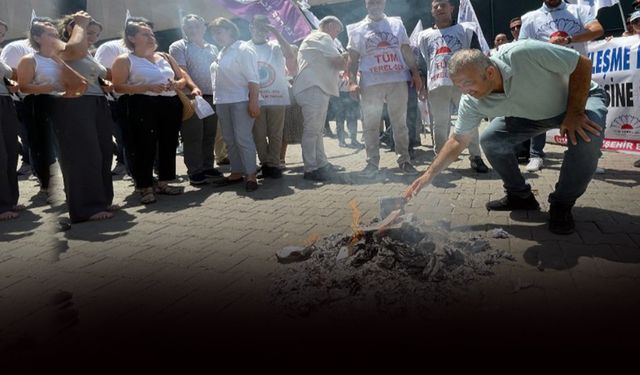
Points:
point(208, 255)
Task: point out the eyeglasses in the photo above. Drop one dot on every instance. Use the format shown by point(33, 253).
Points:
point(513, 28)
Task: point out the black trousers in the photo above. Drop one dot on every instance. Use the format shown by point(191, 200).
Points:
point(154, 123)
point(8, 154)
point(35, 116)
point(82, 127)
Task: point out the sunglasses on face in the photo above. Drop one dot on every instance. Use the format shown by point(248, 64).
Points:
point(635, 22)
point(513, 28)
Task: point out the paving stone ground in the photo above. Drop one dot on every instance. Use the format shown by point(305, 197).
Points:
point(209, 254)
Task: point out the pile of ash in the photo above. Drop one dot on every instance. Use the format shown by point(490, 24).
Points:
point(409, 266)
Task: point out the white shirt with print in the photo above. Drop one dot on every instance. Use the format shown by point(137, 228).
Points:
point(564, 20)
point(274, 87)
point(379, 45)
point(437, 46)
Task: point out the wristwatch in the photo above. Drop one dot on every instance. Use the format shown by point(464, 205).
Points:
point(569, 39)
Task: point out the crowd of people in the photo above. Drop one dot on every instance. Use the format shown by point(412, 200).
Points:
point(67, 101)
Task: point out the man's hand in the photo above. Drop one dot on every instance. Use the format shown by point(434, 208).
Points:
point(415, 188)
point(196, 92)
point(416, 82)
point(423, 94)
point(354, 91)
point(254, 109)
point(578, 123)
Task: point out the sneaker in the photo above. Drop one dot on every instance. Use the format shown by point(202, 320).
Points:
point(561, 219)
point(197, 179)
point(119, 169)
point(212, 173)
point(409, 169)
point(599, 170)
point(24, 170)
point(478, 165)
point(636, 164)
point(512, 202)
point(535, 164)
point(370, 171)
point(315, 175)
point(341, 143)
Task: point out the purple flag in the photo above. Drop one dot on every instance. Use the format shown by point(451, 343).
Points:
point(283, 14)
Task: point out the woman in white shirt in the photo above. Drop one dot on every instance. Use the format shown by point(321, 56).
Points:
point(236, 85)
point(39, 77)
point(155, 112)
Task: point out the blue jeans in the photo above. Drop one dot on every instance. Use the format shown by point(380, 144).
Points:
point(578, 166)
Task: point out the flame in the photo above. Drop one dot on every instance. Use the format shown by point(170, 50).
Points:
point(311, 240)
point(355, 222)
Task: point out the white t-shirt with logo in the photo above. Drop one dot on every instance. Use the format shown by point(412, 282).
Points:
point(437, 46)
point(564, 20)
point(274, 88)
point(379, 45)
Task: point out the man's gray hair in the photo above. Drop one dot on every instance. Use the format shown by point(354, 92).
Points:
point(330, 19)
point(190, 17)
point(466, 58)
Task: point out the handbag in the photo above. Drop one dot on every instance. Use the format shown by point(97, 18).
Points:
point(187, 105)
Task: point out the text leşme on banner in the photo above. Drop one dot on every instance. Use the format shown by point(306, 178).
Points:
point(615, 67)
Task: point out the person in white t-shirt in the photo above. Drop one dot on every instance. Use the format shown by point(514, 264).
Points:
point(236, 89)
point(564, 24)
point(319, 62)
point(437, 45)
point(275, 58)
point(379, 48)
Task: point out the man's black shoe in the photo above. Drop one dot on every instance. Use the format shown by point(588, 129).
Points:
point(271, 172)
point(512, 202)
point(316, 175)
point(561, 219)
point(212, 173)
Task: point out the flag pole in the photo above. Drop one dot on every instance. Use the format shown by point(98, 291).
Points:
point(624, 19)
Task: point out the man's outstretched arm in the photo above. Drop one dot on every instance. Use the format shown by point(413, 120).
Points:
point(450, 152)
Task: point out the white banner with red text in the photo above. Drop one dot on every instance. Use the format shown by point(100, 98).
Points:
point(616, 67)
